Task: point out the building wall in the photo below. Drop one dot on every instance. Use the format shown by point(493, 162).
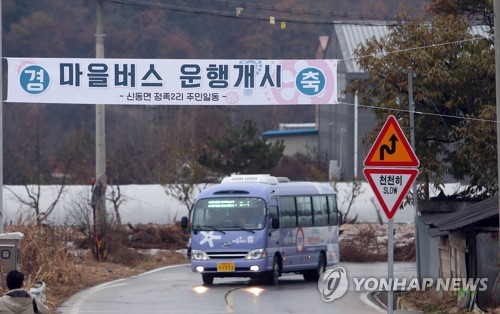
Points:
point(458, 246)
point(487, 267)
point(304, 144)
point(428, 251)
point(336, 122)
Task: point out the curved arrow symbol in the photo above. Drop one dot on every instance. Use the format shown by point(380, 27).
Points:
point(385, 148)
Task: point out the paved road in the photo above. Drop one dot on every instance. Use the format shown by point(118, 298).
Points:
point(177, 290)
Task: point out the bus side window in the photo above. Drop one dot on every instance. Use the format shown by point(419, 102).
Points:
point(288, 214)
point(304, 211)
point(334, 215)
point(273, 214)
point(320, 208)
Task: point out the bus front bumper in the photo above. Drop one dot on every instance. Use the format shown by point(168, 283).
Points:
point(230, 268)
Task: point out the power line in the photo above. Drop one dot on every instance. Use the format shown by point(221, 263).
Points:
point(422, 113)
point(330, 13)
point(328, 20)
point(412, 49)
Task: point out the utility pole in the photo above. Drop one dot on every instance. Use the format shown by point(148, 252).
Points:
point(356, 136)
point(100, 150)
point(100, 109)
point(411, 109)
point(1, 122)
point(496, 11)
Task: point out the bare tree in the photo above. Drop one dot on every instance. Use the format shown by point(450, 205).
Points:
point(185, 181)
point(79, 213)
point(32, 200)
point(117, 198)
point(377, 210)
point(348, 201)
point(36, 170)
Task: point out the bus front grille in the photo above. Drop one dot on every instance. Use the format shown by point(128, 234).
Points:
point(227, 255)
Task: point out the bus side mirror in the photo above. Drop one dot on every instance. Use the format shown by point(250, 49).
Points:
point(275, 223)
point(184, 222)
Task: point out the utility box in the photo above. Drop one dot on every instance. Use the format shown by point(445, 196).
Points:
point(10, 244)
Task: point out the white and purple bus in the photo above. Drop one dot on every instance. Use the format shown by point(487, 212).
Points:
point(260, 226)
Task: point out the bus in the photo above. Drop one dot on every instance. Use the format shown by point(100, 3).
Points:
point(261, 226)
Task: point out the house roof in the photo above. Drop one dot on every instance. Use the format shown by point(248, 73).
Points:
point(430, 219)
point(352, 34)
point(471, 215)
point(280, 133)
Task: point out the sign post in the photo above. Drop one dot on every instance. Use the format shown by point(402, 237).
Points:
point(391, 168)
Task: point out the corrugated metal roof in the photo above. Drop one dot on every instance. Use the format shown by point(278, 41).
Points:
point(351, 35)
point(478, 212)
point(431, 218)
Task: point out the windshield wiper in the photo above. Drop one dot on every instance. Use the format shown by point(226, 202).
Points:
point(241, 228)
point(198, 228)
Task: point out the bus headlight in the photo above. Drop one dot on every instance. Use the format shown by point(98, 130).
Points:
point(199, 255)
point(256, 254)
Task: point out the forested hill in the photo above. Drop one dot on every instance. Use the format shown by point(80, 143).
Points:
point(36, 136)
point(183, 28)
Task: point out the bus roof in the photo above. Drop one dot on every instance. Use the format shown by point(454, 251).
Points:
point(266, 190)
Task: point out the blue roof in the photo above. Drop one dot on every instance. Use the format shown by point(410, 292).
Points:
point(276, 133)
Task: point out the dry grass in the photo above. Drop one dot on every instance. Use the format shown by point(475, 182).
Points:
point(435, 303)
point(60, 256)
point(429, 302)
point(362, 244)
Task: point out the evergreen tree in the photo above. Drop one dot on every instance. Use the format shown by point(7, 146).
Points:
point(241, 151)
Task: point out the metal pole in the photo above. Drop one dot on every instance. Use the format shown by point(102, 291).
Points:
point(496, 10)
point(415, 196)
point(390, 264)
point(356, 136)
point(1, 123)
point(342, 132)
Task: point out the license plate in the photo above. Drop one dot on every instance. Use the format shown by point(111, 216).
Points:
point(225, 267)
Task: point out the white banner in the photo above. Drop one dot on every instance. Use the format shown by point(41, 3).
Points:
point(171, 82)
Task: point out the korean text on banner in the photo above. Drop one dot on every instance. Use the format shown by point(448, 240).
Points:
point(172, 82)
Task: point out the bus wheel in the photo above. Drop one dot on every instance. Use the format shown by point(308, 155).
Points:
point(207, 279)
point(321, 266)
point(273, 276)
point(313, 275)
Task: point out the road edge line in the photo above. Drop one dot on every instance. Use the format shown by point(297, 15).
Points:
point(86, 293)
point(366, 300)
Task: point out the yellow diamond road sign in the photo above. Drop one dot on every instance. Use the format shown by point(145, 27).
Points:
point(391, 148)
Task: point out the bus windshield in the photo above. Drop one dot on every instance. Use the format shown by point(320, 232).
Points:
point(238, 213)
